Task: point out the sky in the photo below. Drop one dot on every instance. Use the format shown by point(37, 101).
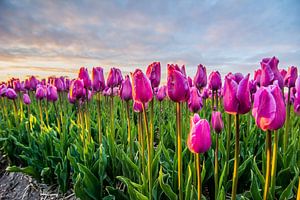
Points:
point(57, 37)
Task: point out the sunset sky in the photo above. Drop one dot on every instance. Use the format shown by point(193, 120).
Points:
point(57, 37)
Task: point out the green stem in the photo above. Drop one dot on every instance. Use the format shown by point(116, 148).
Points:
point(236, 158)
point(152, 125)
point(287, 123)
point(179, 150)
point(216, 167)
point(99, 119)
point(212, 99)
point(274, 164)
point(41, 113)
point(228, 143)
point(267, 179)
point(129, 137)
point(198, 175)
point(149, 151)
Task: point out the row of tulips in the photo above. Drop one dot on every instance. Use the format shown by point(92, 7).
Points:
point(201, 99)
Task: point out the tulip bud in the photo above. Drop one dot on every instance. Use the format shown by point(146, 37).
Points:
point(68, 83)
point(199, 139)
point(40, 92)
point(214, 81)
point(141, 87)
point(205, 93)
point(290, 77)
point(98, 81)
point(84, 75)
point(26, 99)
point(195, 100)
point(153, 73)
point(236, 98)
point(269, 108)
point(177, 85)
point(27, 84)
point(283, 73)
point(126, 89)
point(114, 77)
point(200, 79)
point(3, 89)
point(270, 72)
point(76, 89)
point(11, 94)
point(217, 122)
point(52, 93)
point(238, 77)
point(59, 84)
point(33, 82)
point(161, 93)
point(17, 85)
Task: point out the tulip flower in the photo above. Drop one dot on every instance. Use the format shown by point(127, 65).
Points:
point(141, 87)
point(297, 96)
point(257, 76)
point(182, 69)
point(290, 77)
point(283, 73)
point(17, 85)
point(200, 79)
point(11, 94)
point(71, 99)
point(52, 93)
point(199, 141)
point(126, 89)
point(177, 84)
point(195, 100)
point(214, 81)
point(154, 73)
point(114, 77)
point(59, 84)
point(76, 89)
point(26, 99)
point(238, 77)
point(217, 122)
point(161, 93)
point(84, 75)
point(270, 72)
point(98, 81)
point(33, 82)
point(3, 89)
point(40, 92)
point(190, 81)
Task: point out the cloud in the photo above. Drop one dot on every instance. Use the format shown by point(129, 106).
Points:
point(223, 35)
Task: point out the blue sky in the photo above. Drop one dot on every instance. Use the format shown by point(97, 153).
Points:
point(57, 37)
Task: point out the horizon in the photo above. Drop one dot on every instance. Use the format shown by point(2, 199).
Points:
point(58, 37)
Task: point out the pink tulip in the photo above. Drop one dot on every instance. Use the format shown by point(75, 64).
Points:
point(290, 77)
point(114, 77)
point(11, 93)
point(26, 99)
point(138, 107)
point(283, 73)
point(236, 96)
point(98, 81)
point(297, 96)
point(141, 87)
point(52, 93)
point(199, 139)
point(154, 73)
point(238, 77)
point(269, 108)
point(3, 89)
point(270, 72)
point(161, 93)
point(177, 84)
point(257, 76)
point(214, 81)
point(59, 84)
point(200, 79)
point(33, 82)
point(217, 122)
point(17, 85)
point(126, 89)
point(190, 81)
point(76, 89)
point(182, 69)
point(195, 100)
point(41, 92)
point(84, 75)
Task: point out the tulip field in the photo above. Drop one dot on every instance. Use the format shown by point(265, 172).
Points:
point(142, 136)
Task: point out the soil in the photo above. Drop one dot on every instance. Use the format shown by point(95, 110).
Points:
point(23, 187)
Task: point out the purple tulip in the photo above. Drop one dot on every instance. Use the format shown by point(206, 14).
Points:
point(236, 96)
point(238, 77)
point(290, 77)
point(154, 73)
point(98, 81)
point(141, 87)
point(200, 79)
point(59, 84)
point(269, 108)
point(27, 84)
point(43, 81)
point(217, 122)
point(76, 89)
point(71, 99)
point(114, 77)
point(68, 83)
point(270, 72)
point(190, 81)
point(26, 99)
point(205, 93)
point(283, 73)
point(84, 75)
point(297, 96)
point(11, 93)
point(17, 85)
point(52, 93)
point(33, 82)
point(182, 69)
point(214, 81)
point(161, 93)
point(199, 139)
point(252, 86)
point(3, 89)
point(257, 76)
point(177, 84)
point(126, 89)
point(40, 92)
point(195, 100)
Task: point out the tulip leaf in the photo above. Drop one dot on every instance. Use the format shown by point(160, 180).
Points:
point(165, 187)
point(288, 192)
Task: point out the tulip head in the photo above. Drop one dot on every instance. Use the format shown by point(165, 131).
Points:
point(11, 93)
point(154, 73)
point(283, 73)
point(269, 108)
point(270, 72)
point(190, 81)
point(3, 89)
point(33, 82)
point(59, 84)
point(195, 100)
point(26, 99)
point(177, 84)
point(199, 139)
point(290, 77)
point(217, 122)
point(161, 93)
point(114, 77)
point(126, 89)
point(236, 97)
point(141, 87)
point(257, 76)
point(200, 79)
point(238, 77)
point(214, 81)
point(77, 89)
point(17, 85)
point(84, 75)
point(98, 81)
point(41, 92)
point(52, 93)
